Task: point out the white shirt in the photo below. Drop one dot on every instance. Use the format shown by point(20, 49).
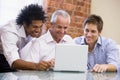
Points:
point(43, 48)
point(13, 39)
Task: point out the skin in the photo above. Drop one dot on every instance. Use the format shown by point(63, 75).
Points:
point(91, 34)
point(34, 29)
point(59, 29)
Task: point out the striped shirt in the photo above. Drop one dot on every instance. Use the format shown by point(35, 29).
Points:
point(105, 52)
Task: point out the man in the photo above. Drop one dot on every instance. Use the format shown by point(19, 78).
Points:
point(103, 53)
point(44, 47)
point(16, 34)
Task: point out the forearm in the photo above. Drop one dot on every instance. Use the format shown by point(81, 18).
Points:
point(111, 68)
point(24, 65)
point(104, 67)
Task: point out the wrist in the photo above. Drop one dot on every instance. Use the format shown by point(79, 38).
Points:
point(36, 66)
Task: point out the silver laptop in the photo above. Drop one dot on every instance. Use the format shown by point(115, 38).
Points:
point(69, 57)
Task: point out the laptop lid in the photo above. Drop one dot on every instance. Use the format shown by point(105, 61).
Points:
point(69, 57)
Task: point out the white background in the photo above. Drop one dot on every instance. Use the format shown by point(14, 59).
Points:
point(9, 9)
point(109, 10)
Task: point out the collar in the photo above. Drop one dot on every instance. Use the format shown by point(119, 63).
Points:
point(21, 32)
point(83, 40)
point(99, 41)
point(49, 38)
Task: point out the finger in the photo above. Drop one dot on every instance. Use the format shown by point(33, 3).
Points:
point(91, 70)
point(51, 62)
point(95, 68)
point(100, 69)
point(103, 68)
point(43, 65)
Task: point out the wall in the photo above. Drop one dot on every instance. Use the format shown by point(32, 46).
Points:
point(78, 10)
point(9, 9)
point(109, 10)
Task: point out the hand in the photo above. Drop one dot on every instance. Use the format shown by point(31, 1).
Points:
point(52, 62)
point(99, 68)
point(43, 66)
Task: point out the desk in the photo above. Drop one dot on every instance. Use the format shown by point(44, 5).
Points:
point(49, 75)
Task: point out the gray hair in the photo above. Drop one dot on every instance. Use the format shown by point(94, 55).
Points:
point(59, 12)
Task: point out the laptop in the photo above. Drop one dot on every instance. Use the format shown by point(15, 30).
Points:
point(71, 58)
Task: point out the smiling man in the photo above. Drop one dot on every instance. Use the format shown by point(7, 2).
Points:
point(103, 52)
point(44, 46)
point(16, 34)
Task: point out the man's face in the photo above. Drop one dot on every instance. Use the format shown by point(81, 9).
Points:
point(34, 29)
point(91, 33)
point(59, 29)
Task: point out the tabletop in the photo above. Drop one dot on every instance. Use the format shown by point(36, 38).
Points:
point(50, 75)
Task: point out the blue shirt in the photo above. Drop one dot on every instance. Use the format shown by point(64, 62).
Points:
point(105, 52)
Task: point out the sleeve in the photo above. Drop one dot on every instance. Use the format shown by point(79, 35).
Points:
point(113, 54)
point(9, 43)
point(31, 51)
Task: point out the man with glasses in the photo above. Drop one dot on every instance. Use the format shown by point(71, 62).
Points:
point(44, 46)
point(16, 34)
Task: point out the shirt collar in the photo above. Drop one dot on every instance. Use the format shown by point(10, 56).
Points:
point(21, 31)
point(50, 38)
point(83, 40)
point(99, 41)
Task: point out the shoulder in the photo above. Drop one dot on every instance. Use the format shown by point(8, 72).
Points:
point(11, 26)
point(108, 43)
point(68, 39)
point(67, 36)
point(79, 40)
point(41, 39)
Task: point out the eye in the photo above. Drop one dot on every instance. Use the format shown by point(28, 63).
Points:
point(35, 26)
point(86, 30)
point(59, 26)
point(65, 27)
point(93, 31)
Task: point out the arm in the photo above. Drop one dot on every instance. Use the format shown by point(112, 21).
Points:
point(111, 67)
point(112, 58)
point(103, 68)
point(24, 65)
point(9, 43)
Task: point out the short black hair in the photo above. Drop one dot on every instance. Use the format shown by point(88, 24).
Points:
point(29, 13)
point(94, 19)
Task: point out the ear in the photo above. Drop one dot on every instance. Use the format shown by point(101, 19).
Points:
point(99, 33)
point(51, 24)
point(24, 25)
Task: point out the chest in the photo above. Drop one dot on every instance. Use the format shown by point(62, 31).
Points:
point(99, 55)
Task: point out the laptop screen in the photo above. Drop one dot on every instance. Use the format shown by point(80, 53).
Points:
point(71, 57)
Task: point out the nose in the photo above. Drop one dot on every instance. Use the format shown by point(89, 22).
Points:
point(89, 34)
point(62, 30)
point(38, 30)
